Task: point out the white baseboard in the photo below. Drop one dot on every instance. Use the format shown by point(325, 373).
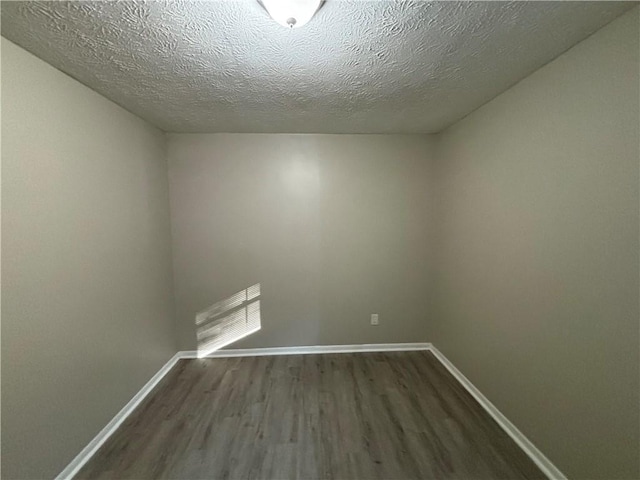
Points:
point(87, 452)
point(306, 350)
point(548, 468)
point(543, 463)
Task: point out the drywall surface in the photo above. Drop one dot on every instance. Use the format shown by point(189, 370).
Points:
point(537, 290)
point(356, 67)
point(333, 227)
point(87, 310)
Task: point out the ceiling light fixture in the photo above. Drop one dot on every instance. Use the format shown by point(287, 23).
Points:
point(292, 13)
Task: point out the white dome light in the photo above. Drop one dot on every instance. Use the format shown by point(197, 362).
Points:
point(291, 13)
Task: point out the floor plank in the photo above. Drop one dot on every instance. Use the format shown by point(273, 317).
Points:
point(395, 415)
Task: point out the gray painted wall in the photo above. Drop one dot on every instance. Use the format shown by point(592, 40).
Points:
point(87, 304)
point(538, 254)
point(334, 227)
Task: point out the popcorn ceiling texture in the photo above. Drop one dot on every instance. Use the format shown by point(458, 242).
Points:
point(357, 67)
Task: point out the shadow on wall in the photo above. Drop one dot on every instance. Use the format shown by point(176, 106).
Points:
point(228, 320)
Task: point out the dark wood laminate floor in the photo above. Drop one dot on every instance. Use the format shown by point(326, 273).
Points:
point(340, 416)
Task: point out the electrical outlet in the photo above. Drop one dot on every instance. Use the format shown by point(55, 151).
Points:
point(374, 319)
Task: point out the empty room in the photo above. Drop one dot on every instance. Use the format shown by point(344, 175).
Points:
point(320, 239)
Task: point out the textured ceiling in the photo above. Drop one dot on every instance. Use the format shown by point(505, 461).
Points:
point(357, 67)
